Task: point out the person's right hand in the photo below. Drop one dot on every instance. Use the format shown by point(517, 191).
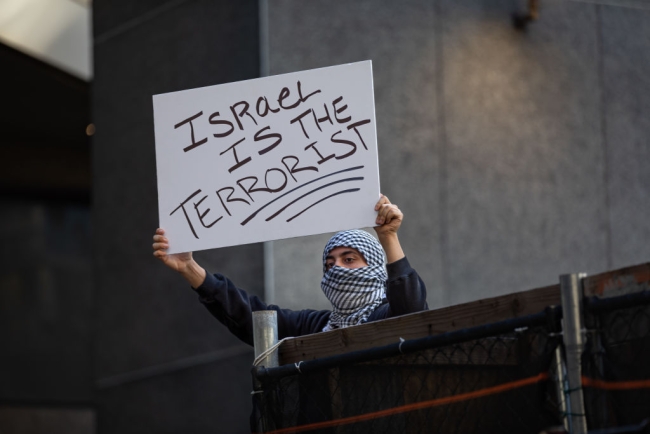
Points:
point(178, 261)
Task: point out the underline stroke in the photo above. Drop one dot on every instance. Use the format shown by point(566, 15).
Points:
point(358, 178)
point(250, 217)
point(351, 190)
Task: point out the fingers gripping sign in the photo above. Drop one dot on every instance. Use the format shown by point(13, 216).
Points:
point(160, 243)
point(180, 262)
point(389, 219)
point(389, 216)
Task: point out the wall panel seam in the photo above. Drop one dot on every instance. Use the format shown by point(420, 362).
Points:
point(442, 151)
point(603, 133)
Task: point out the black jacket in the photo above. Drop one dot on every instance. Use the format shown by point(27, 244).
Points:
point(405, 293)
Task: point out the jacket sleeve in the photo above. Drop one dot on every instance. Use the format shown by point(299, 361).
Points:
point(405, 290)
point(234, 308)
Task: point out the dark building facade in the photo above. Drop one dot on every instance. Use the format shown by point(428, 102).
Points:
point(516, 156)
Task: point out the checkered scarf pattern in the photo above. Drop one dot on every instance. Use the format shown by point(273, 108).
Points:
point(354, 293)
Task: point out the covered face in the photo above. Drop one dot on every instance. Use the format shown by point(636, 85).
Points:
point(354, 292)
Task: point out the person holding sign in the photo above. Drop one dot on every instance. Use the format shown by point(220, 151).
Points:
point(365, 280)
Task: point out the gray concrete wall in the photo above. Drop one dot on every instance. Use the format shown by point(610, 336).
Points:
point(515, 156)
point(162, 362)
point(625, 65)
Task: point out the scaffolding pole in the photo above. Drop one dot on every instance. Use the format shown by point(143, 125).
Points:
point(265, 335)
point(572, 325)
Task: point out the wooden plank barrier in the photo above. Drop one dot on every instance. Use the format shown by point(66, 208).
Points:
point(476, 313)
point(618, 282)
point(418, 325)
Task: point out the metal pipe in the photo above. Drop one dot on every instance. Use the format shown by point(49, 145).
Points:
point(598, 305)
point(265, 335)
point(560, 386)
point(572, 324)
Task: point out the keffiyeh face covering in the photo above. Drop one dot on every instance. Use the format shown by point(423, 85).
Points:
point(354, 293)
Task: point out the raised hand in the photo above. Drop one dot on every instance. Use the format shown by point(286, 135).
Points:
point(389, 220)
point(389, 217)
point(180, 262)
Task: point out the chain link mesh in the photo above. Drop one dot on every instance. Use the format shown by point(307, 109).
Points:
point(616, 366)
point(512, 382)
point(497, 384)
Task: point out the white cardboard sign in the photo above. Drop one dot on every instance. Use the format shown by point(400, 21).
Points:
point(269, 158)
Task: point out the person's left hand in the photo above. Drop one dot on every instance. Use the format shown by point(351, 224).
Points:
point(389, 217)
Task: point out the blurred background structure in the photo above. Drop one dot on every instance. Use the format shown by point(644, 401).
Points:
point(516, 155)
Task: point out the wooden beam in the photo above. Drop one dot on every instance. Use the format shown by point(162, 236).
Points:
point(618, 282)
point(418, 325)
point(612, 283)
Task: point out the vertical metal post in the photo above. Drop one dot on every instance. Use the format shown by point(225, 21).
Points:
point(572, 324)
point(265, 335)
point(561, 386)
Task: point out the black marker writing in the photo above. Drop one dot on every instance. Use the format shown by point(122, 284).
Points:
point(182, 205)
point(251, 188)
point(295, 168)
point(351, 190)
point(322, 159)
point(265, 102)
point(241, 114)
point(240, 110)
point(284, 94)
point(194, 142)
point(201, 216)
point(299, 119)
point(252, 216)
point(319, 121)
point(340, 110)
point(214, 121)
point(345, 142)
point(259, 136)
point(354, 127)
point(358, 178)
point(238, 163)
point(230, 198)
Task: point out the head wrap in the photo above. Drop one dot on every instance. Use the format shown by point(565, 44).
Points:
point(354, 293)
